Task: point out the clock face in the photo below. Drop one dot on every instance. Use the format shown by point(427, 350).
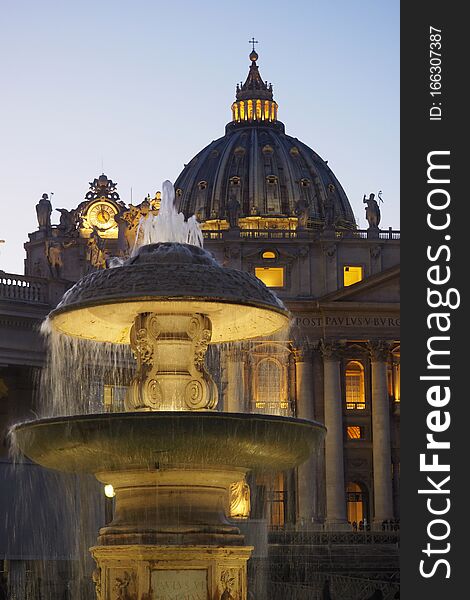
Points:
point(101, 215)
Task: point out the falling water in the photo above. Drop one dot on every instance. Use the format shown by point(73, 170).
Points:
point(88, 377)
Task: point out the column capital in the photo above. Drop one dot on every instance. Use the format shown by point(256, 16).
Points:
point(331, 350)
point(379, 350)
point(303, 352)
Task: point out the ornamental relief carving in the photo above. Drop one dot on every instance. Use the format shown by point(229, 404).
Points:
point(379, 350)
point(332, 349)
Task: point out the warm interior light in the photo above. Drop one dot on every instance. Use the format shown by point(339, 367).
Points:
point(354, 432)
point(351, 274)
point(355, 389)
point(269, 254)
point(271, 276)
point(109, 491)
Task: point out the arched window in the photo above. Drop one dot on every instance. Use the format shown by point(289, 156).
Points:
point(355, 389)
point(356, 503)
point(242, 111)
point(270, 387)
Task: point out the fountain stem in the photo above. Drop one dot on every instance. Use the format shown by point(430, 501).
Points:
point(170, 351)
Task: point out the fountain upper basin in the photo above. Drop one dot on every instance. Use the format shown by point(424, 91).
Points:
point(169, 278)
point(126, 441)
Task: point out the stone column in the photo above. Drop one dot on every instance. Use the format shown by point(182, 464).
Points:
point(235, 390)
point(306, 473)
point(334, 462)
point(383, 498)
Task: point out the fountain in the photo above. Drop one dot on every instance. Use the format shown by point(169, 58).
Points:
point(176, 463)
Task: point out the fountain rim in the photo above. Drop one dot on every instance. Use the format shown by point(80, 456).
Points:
point(184, 414)
point(176, 305)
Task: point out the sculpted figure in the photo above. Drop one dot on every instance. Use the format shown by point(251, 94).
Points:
point(372, 211)
point(302, 212)
point(54, 258)
point(68, 221)
point(329, 206)
point(96, 255)
point(233, 212)
point(43, 212)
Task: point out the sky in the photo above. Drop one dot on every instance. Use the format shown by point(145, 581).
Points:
point(137, 88)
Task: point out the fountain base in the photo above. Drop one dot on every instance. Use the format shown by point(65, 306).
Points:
point(172, 506)
point(140, 572)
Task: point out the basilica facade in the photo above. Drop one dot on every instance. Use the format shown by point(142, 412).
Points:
point(270, 205)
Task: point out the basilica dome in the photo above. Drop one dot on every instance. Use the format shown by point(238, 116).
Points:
point(257, 175)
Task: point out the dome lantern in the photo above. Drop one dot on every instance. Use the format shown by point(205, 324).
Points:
point(254, 98)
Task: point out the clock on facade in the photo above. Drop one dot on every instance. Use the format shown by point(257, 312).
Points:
point(101, 215)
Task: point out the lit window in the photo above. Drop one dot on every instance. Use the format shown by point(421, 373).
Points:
point(235, 112)
point(269, 254)
point(354, 432)
point(356, 503)
point(242, 111)
point(271, 276)
point(258, 110)
point(395, 383)
point(351, 274)
point(250, 110)
point(355, 395)
point(266, 110)
point(270, 392)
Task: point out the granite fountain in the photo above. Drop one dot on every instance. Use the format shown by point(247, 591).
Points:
point(176, 463)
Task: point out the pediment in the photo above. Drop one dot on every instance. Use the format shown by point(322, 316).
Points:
point(383, 287)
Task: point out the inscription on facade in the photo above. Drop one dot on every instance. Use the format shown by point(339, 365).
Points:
point(349, 321)
point(181, 584)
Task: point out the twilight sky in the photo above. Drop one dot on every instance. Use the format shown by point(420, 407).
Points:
point(137, 88)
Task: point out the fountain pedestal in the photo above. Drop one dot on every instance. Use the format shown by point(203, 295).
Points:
point(138, 572)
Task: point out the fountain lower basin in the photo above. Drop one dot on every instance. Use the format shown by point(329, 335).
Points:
point(172, 472)
point(122, 441)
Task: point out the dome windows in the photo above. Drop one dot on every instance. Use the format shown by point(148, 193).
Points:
point(271, 179)
point(254, 110)
point(294, 151)
point(179, 193)
point(202, 185)
point(305, 182)
point(235, 180)
point(267, 149)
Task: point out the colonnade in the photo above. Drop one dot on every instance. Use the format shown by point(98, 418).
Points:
point(332, 353)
